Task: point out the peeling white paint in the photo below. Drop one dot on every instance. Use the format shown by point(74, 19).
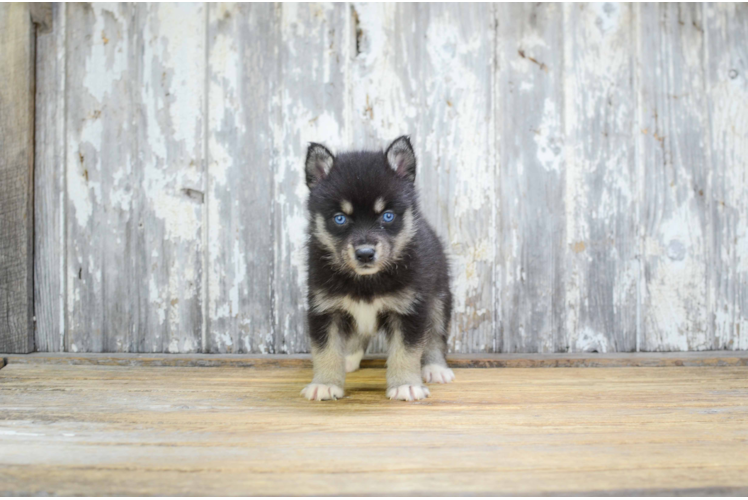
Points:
point(549, 138)
point(588, 340)
point(677, 285)
point(607, 15)
point(105, 60)
point(383, 109)
point(79, 196)
point(156, 300)
point(240, 277)
point(181, 219)
point(224, 340)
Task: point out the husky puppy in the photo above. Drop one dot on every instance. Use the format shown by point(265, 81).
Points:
point(374, 265)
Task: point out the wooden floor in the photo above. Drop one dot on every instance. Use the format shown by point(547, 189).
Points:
point(141, 430)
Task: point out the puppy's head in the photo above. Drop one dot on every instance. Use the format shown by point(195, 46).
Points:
point(362, 205)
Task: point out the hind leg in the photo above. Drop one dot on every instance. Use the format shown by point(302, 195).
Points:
point(434, 360)
point(354, 351)
point(434, 364)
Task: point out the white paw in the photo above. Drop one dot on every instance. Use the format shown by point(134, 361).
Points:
point(408, 392)
point(437, 373)
point(352, 361)
point(321, 392)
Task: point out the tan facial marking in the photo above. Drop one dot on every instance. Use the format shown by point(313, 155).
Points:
point(323, 236)
point(346, 207)
point(406, 234)
point(379, 205)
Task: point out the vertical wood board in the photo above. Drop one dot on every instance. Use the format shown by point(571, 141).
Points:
point(314, 49)
point(531, 142)
point(17, 43)
point(171, 104)
point(601, 189)
point(134, 178)
point(427, 71)
point(100, 132)
point(726, 70)
point(49, 186)
point(675, 178)
point(242, 118)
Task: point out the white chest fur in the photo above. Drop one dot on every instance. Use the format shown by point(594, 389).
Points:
point(365, 313)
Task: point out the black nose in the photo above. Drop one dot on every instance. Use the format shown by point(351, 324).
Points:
point(365, 254)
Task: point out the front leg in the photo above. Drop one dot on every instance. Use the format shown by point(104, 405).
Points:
point(328, 358)
point(404, 362)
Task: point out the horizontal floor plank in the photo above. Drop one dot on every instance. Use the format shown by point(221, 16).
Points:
point(577, 360)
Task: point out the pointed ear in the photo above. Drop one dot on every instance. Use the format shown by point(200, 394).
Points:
point(401, 158)
point(319, 161)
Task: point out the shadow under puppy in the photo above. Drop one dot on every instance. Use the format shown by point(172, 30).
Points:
point(374, 264)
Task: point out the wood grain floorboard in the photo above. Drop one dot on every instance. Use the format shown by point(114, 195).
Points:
point(113, 430)
point(512, 360)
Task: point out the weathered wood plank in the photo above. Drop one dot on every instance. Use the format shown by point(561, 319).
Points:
point(100, 123)
point(314, 50)
point(134, 166)
point(382, 99)
point(427, 71)
point(530, 120)
point(17, 44)
point(726, 76)
point(601, 193)
point(380, 61)
point(481, 360)
point(458, 181)
point(49, 186)
point(674, 176)
point(286, 101)
point(243, 116)
point(171, 102)
point(109, 430)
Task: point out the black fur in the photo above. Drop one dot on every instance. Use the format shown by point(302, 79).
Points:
point(361, 178)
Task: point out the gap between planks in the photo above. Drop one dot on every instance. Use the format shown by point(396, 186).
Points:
point(577, 360)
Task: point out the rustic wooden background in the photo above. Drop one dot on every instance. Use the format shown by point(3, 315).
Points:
point(585, 165)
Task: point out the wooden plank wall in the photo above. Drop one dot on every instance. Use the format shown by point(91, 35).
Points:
point(585, 165)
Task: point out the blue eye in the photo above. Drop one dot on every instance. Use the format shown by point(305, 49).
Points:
point(340, 219)
point(388, 217)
